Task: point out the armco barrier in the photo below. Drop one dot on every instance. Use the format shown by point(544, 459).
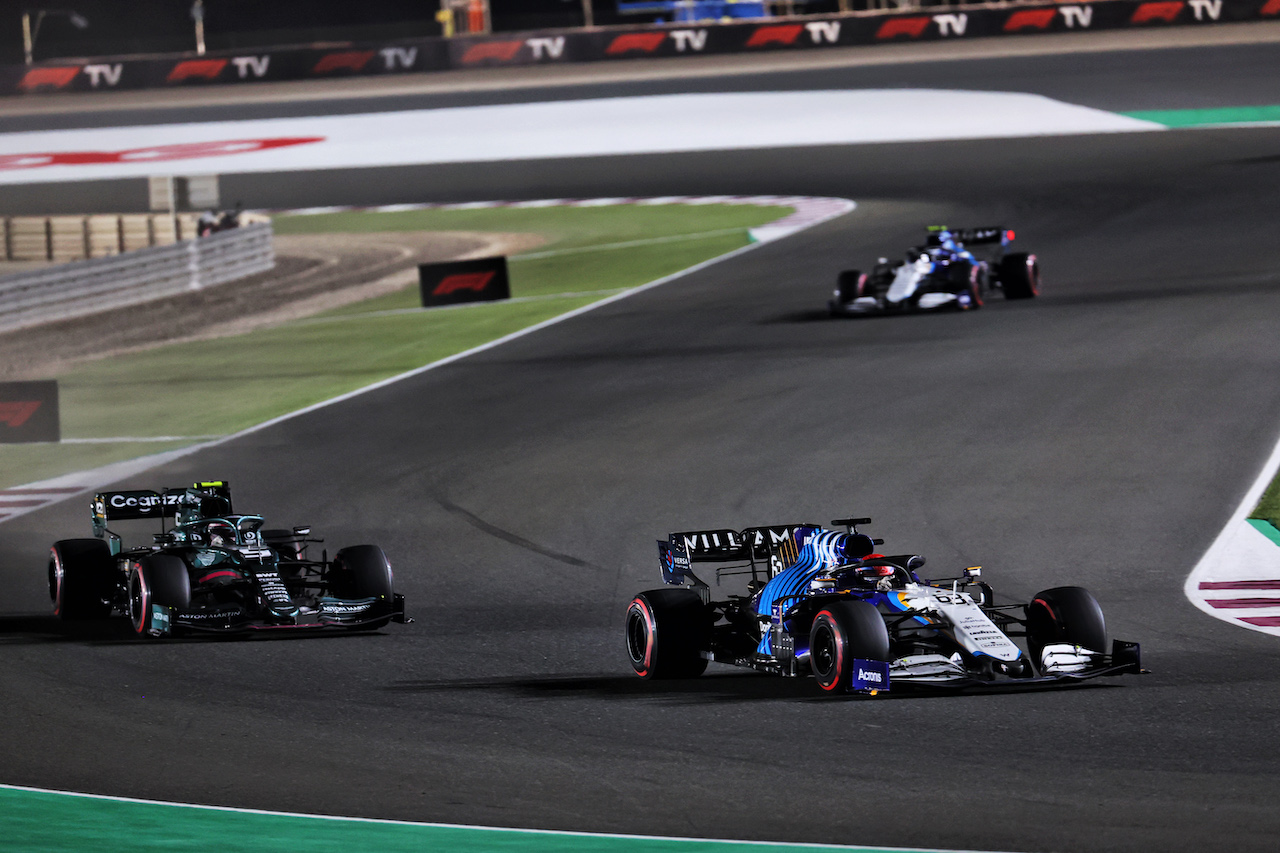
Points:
point(560, 46)
point(86, 287)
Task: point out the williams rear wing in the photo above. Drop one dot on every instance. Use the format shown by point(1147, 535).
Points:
point(988, 236)
point(724, 546)
point(755, 550)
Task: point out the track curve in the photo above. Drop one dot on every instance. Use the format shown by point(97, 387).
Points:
point(1100, 436)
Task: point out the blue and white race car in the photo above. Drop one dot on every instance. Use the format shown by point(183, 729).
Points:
point(954, 269)
point(821, 602)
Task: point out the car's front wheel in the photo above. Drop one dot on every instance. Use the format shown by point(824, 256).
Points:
point(1065, 614)
point(360, 572)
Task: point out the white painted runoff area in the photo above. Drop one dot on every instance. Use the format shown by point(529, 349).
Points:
point(572, 128)
point(1238, 578)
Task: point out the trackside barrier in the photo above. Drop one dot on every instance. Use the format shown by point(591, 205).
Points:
point(86, 287)
point(548, 47)
point(73, 238)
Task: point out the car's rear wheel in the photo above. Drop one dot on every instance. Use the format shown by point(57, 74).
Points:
point(81, 578)
point(363, 571)
point(1020, 276)
point(841, 632)
point(157, 580)
point(668, 634)
point(1065, 614)
point(850, 285)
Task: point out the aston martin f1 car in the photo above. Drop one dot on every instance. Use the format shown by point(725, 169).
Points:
point(822, 602)
point(954, 269)
point(215, 571)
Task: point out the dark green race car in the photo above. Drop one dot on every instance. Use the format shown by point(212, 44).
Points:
point(215, 571)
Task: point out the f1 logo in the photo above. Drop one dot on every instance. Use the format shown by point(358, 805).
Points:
point(476, 281)
point(29, 412)
point(451, 282)
point(17, 412)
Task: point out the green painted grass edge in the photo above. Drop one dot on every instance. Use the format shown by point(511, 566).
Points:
point(1268, 114)
point(33, 819)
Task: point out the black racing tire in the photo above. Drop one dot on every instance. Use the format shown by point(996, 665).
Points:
point(1065, 614)
point(81, 578)
point(156, 579)
point(1020, 276)
point(363, 571)
point(850, 285)
point(842, 631)
point(668, 633)
point(968, 278)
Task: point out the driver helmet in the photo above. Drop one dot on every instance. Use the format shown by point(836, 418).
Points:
point(222, 534)
point(856, 546)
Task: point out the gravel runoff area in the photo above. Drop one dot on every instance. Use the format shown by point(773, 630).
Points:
point(313, 273)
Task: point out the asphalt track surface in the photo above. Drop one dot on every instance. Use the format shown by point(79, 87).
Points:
point(1099, 436)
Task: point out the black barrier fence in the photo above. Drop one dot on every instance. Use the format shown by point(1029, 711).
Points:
point(560, 46)
point(29, 412)
point(479, 280)
point(168, 26)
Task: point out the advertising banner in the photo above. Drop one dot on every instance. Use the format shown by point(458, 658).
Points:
point(480, 280)
point(29, 412)
point(603, 44)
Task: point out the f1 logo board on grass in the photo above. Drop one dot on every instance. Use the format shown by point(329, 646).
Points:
point(29, 412)
point(481, 280)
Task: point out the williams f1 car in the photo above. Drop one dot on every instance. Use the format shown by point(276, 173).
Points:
point(215, 571)
point(954, 269)
point(821, 602)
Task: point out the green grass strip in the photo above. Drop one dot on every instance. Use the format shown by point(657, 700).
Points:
point(1211, 116)
point(1268, 508)
point(51, 822)
point(219, 387)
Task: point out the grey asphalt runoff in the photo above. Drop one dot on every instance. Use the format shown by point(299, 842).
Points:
point(1100, 435)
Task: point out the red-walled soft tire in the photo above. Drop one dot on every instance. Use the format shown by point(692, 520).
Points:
point(156, 579)
point(1065, 614)
point(1020, 276)
point(841, 632)
point(668, 634)
point(81, 578)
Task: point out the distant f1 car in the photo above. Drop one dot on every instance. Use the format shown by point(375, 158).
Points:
point(954, 269)
point(215, 571)
point(820, 602)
